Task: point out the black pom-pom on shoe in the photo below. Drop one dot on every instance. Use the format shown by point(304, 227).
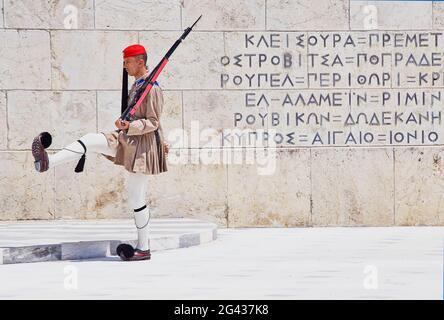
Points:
point(125, 251)
point(45, 139)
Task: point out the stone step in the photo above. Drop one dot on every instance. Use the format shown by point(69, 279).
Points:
point(38, 241)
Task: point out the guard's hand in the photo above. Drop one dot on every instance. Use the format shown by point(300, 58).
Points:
point(121, 124)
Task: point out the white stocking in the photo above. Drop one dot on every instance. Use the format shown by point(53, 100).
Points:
point(137, 185)
point(94, 142)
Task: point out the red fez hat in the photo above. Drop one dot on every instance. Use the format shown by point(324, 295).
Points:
point(133, 50)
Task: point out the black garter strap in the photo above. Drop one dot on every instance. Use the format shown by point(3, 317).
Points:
point(81, 163)
point(140, 209)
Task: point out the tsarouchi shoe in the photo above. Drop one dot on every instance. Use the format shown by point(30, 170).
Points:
point(141, 255)
point(39, 144)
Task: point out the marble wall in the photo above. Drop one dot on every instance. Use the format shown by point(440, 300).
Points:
point(60, 66)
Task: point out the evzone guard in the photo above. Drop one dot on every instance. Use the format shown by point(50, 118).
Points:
point(139, 146)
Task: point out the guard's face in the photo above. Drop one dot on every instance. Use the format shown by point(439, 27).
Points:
point(133, 65)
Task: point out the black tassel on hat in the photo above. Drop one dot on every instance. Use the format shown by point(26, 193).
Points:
point(81, 163)
point(124, 91)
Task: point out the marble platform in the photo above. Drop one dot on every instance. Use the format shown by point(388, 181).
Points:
point(38, 241)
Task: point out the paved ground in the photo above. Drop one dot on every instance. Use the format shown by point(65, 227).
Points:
point(318, 263)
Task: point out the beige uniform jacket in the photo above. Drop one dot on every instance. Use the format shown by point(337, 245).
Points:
point(136, 147)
